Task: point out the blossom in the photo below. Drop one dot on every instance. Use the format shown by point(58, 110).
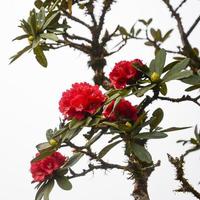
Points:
point(123, 72)
point(81, 101)
point(42, 169)
point(123, 110)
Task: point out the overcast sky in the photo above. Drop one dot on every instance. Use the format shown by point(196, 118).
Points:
point(29, 106)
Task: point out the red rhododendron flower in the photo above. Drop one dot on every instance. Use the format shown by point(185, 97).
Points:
point(44, 168)
point(81, 101)
point(123, 72)
point(123, 110)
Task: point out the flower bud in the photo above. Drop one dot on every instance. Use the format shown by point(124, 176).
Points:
point(53, 142)
point(155, 77)
point(30, 38)
point(128, 124)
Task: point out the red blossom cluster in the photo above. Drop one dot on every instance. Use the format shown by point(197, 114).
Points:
point(44, 168)
point(123, 110)
point(124, 73)
point(81, 101)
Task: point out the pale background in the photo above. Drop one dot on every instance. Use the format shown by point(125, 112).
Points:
point(29, 106)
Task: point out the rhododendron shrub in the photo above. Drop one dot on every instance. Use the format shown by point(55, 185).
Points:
point(100, 113)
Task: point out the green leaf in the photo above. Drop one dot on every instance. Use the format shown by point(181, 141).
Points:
point(156, 118)
point(175, 129)
point(21, 37)
point(50, 19)
point(40, 193)
point(160, 61)
point(42, 155)
point(50, 36)
point(106, 149)
point(74, 159)
point(49, 134)
point(26, 27)
point(145, 89)
point(43, 146)
point(36, 42)
point(93, 139)
point(123, 31)
point(153, 33)
point(63, 182)
point(112, 124)
point(163, 88)
point(48, 188)
point(178, 75)
point(70, 133)
point(194, 87)
point(192, 80)
point(15, 57)
point(177, 68)
point(141, 153)
point(113, 97)
point(40, 57)
point(166, 36)
point(170, 66)
point(153, 135)
point(74, 123)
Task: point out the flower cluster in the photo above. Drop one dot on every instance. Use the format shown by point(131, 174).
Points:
point(81, 101)
point(43, 169)
point(124, 73)
point(123, 110)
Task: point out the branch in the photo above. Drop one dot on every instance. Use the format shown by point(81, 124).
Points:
point(73, 18)
point(179, 23)
point(183, 98)
point(107, 4)
point(178, 163)
point(180, 5)
point(193, 26)
point(76, 37)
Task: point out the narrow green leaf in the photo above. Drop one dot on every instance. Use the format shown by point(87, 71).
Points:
point(50, 36)
point(43, 146)
point(175, 129)
point(48, 188)
point(160, 61)
point(153, 135)
point(74, 123)
point(178, 75)
point(112, 124)
point(93, 139)
point(163, 88)
point(192, 80)
point(21, 37)
point(15, 57)
point(156, 118)
point(50, 19)
point(49, 134)
point(74, 159)
point(194, 87)
point(166, 36)
point(40, 193)
point(42, 155)
point(70, 134)
point(177, 68)
point(106, 149)
point(63, 182)
point(141, 153)
point(40, 57)
point(145, 89)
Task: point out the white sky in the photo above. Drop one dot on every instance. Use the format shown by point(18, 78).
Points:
point(29, 106)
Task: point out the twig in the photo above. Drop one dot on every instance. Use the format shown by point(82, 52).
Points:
point(178, 163)
point(183, 98)
point(180, 5)
point(193, 26)
point(77, 20)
